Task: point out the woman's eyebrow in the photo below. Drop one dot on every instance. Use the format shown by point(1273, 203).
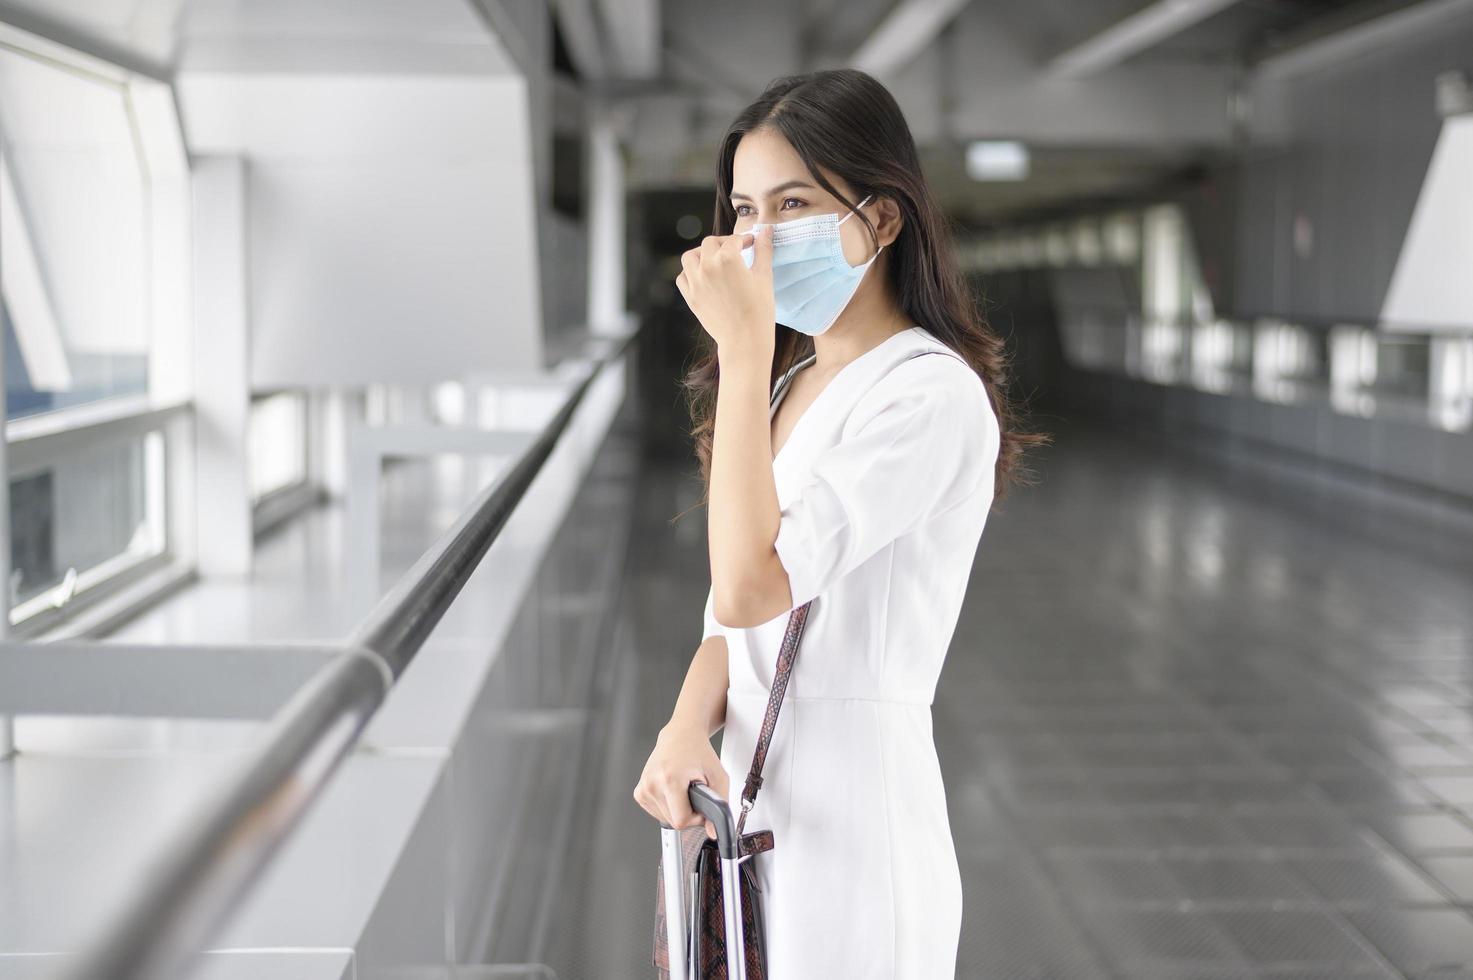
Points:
point(789, 185)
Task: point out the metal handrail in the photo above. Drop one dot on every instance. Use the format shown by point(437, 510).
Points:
point(210, 866)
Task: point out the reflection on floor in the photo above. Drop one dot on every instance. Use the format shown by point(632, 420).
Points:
point(1200, 720)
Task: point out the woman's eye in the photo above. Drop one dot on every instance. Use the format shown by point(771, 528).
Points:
point(744, 210)
point(793, 201)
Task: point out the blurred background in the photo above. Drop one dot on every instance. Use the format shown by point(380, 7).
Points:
point(352, 546)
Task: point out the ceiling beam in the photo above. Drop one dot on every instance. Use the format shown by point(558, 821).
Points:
point(1350, 31)
point(904, 33)
point(579, 24)
point(1143, 29)
point(77, 35)
point(632, 31)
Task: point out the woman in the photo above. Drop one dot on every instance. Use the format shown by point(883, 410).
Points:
point(862, 481)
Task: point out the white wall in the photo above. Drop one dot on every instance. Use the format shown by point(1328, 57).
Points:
point(391, 223)
point(1430, 287)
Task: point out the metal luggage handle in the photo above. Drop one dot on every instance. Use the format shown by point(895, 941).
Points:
point(703, 800)
point(707, 803)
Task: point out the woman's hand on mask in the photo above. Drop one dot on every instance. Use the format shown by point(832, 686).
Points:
point(734, 303)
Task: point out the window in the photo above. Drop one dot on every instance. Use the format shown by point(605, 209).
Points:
point(1451, 381)
point(1165, 265)
point(1158, 323)
point(278, 443)
point(94, 315)
point(74, 237)
point(1221, 355)
point(1290, 361)
point(1121, 234)
point(82, 517)
point(1163, 349)
point(1087, 246)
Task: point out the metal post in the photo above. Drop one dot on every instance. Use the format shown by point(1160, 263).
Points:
point(677, 914)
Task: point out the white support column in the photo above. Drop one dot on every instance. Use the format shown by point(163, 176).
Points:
point(361, 518)
point(7, 730)
point(332, 410)
point(605, 224)
point(222, 366)
point(7, 726)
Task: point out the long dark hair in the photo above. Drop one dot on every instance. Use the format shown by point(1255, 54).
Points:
point(845, 121)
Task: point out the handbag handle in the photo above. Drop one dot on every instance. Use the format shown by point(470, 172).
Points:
point(785, 657)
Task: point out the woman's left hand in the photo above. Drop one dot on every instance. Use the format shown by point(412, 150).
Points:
point(733, 303)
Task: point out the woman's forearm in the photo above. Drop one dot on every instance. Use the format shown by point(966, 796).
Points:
point(742, 511)
point(701, 705)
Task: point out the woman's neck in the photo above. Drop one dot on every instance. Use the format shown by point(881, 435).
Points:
point(871, 317)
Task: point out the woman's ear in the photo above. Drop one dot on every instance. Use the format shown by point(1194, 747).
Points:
point(889, 221)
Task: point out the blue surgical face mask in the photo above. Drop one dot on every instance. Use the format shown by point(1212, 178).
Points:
point(812, 282)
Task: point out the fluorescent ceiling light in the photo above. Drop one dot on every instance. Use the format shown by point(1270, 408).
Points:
point(997, 160)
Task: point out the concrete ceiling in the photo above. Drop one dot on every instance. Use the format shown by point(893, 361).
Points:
point(1155, 96)
point(1161, 100)
point(162, 36)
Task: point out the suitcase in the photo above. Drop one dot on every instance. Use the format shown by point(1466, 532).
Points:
point(681, 851)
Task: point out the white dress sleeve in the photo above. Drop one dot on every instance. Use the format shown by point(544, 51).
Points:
point(713, 628)
point(922, 439)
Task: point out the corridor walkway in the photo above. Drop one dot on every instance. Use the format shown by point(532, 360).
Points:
point(1201, 719)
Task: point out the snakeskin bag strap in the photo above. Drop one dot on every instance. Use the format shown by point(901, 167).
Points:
point(785, 657)
point(797, 619)
point(707, 955)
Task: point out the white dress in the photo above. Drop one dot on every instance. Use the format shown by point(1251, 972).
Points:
point(885, 484)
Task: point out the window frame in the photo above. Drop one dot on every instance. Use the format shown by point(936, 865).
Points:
point(280, 504)
point(35, 442)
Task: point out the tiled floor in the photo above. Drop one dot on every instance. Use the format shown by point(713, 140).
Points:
point(1200, 720)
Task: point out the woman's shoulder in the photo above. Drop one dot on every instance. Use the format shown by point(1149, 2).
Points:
point(930, 378)
point(928, 404)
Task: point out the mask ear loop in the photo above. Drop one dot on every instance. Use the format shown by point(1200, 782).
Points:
point(856, 209)
point(878, 248)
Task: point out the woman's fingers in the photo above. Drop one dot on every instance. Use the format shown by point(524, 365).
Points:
point(696, 819)
point(673, 809)
point(664, 787)
point(762, 250)
point(690, 260)
point(719, 783)
point(677, 803)
point(650, 803)
point(677, 809)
